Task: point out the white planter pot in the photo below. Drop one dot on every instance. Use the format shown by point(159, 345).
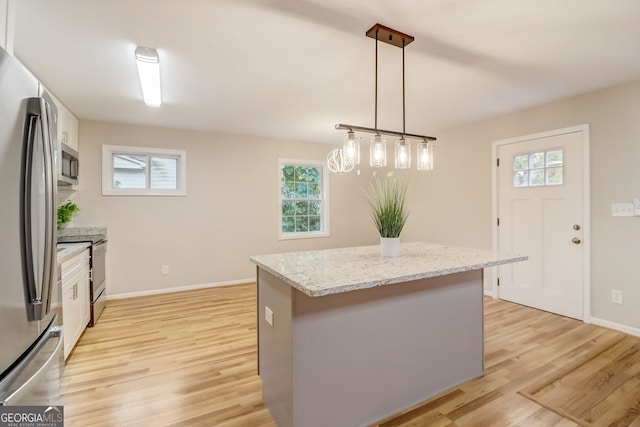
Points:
point(390, 246)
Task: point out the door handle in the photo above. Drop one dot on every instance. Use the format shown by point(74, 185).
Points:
point(576, 240)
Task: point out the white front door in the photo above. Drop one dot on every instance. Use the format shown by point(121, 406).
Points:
point(540, 202)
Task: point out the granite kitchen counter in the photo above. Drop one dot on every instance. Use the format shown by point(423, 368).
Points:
point(76, 234)
point(331, 271)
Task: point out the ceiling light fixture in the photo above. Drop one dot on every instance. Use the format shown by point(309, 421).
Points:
point(149, 72)
point(378, 148)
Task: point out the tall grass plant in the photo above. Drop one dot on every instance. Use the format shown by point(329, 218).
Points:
point(387, 200)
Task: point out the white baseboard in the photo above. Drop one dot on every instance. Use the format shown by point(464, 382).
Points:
point(488, 293)
point(179, 289)
point(617, 326)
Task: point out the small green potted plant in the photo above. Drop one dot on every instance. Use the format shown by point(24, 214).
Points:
point(387, 200)
point(65, 213)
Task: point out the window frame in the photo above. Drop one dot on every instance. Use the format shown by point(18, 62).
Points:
point(107, 170)
point(324, 211)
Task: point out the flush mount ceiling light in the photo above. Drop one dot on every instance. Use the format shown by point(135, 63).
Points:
point(350, 151)
point(149, 72)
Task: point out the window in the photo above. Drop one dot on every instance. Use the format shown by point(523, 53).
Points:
point(143, 171)
point(304, 210)
point(538, 169)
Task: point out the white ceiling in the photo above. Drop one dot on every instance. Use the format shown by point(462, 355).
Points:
point(294, 68)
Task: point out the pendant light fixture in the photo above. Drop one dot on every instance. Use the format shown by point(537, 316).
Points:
point(378, 147)
point(425, 156)
point(351, 148)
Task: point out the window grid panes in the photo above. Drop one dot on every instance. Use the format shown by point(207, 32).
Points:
point(538, 168)
point(302, 199)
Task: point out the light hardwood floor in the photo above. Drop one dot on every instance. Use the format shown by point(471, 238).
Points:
point(189, 359)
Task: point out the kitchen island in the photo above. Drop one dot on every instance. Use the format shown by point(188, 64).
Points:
point(347, 337)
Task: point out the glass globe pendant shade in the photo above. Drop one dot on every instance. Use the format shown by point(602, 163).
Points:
point(425, 156)
point(336, 162)
point(403, 154)
point(378, 151)
point(351, 148)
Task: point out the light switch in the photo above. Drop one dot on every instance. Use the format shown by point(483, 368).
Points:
point(622, 209)
point(268, 315)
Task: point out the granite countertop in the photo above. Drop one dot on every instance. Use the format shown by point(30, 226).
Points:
point(71, 234)
point(332, 271)
point(67, 251)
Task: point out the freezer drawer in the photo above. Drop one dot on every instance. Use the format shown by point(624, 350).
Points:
point(35, 379)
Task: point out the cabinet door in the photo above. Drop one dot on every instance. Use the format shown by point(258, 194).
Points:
point(69, 318)
point(67, 127)
point(75, 298)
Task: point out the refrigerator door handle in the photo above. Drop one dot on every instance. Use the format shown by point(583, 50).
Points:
point(15, 396)
point(50, 262)
point(40, 273)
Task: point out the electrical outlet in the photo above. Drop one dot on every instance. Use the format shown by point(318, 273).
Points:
point(616, 296)
point(165, 269)
point(268, 315)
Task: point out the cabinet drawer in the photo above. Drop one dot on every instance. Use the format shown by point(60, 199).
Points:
point(71, 267)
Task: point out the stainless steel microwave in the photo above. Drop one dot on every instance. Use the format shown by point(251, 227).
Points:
point(68, 168)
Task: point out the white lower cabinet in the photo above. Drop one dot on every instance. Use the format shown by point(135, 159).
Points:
point(75, 299)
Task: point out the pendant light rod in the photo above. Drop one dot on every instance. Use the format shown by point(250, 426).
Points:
point(342, 126)
point(403, 108)
point(375, 122)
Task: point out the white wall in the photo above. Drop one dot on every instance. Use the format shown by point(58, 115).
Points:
point(230, 212)
point(455, 206)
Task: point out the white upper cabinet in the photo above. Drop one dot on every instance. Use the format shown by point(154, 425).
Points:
point(67, 125)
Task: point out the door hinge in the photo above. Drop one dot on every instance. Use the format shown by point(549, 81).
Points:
point(498, 281)
point(498, 162)
point(498, 221)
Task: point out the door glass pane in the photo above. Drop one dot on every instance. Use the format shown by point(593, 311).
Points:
point(554, 158)
point(536, 160)
point(521, 162)
point(554, 176)
point(521, 179)
point(536, 177)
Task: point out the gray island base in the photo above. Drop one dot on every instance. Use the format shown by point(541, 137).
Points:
point(382, 334)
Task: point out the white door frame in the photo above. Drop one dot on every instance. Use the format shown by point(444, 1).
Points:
point(490, 276)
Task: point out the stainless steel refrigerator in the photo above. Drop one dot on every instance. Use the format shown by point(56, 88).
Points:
point(30, 296)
